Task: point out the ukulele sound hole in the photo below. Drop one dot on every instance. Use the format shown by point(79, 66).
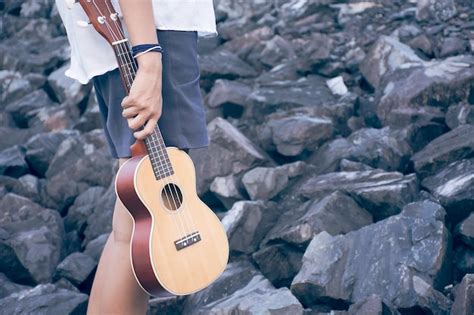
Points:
point(171, 196)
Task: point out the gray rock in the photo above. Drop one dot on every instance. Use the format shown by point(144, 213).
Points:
point(438, 10)
point(100, 221)
point(229, 152)
point(419, 93)
point(385, 56)
point(373, 305)
point(400, 259)
point(451, 146)
point(464, 302)
point(224, 64)
point(32, 240)
point(336, 214)
point(452, 46)
point(41, 148)
point(82, 208)
point(277, 50)
point(11, 136)
point(279, 263)
point(227, 189)
point(351, 166)
point(454, 187)
point(36, 9)
point(25, 108)
point(45, 299)
point(91, 118)
point(382, 193)
point(228, 92)
point(67, 90)
point(12, 162)
point(247, 223)
point(292, 135)
point(460, 114)
point(76, 267)
point(235, 276)
point(56, 118)
point(95, 247)
point(379, 148)
point(265, 182)
point(13, 86)
point(259, 296)
point(465, 230)
point(463, 260)
point(8, 287)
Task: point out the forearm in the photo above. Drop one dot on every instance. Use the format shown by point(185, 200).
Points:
point(140, 23)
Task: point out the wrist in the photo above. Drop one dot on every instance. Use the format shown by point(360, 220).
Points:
point(150, 60)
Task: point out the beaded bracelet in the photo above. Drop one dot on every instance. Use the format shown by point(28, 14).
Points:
point(139, 50)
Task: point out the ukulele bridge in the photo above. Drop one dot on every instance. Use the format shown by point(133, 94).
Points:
point(188, 240)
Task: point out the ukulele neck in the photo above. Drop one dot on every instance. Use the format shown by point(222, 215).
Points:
point(154, 143)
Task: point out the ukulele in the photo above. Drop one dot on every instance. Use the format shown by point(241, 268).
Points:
point(178, 246)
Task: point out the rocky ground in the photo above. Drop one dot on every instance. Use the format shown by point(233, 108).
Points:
point(341, 160)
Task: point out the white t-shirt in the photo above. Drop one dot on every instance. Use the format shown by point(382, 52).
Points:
point(92, 55)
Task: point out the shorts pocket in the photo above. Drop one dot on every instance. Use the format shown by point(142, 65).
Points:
point(182, 50)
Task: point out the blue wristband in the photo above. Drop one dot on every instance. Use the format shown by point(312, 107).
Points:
point(144, 48)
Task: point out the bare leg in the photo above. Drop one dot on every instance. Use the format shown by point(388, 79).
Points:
point(115, 289)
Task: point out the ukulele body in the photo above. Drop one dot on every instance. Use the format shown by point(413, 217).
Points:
point(178, 246)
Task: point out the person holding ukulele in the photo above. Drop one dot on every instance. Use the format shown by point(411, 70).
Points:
point(165, 91)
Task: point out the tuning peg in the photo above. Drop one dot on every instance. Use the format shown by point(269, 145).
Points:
point(70, 3)
point(83, 23)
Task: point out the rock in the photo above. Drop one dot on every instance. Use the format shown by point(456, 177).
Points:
point(12, 162)
point(32, 240)
point(264, 182)
point(385, 56)
point(76, 267)
point(226, 189)
point(464, 302)
point(236, 275)
point(247, 223)
point(451, 146)
point(465, 230)
point(37, 55)
point(257, 297)
point(373, 305)
point(13, 86)
point(24, 109)
point(464, 260)
point(7, 287)
point(347, 269)
point(453, 46)
point(229, 152)
point(419, 93)
point(95, 247)
point(225, 92)
point(45, 299)
point(336, 214)
point(379, 148)
point(351, 166)
point(56, 118)
point(91, 118)
point(76, 166)
point(67, 90)
point(36, 9)
point(292, 135)
point(82, 208)
point(11, 136)
point(438, 10)
point(41, 148)
point(454, 187)
point(382, 193)
point(100, 221)
point(279, 263)
point(459, 115)
point(276, 50)
point(224, 64)
point(315, 50)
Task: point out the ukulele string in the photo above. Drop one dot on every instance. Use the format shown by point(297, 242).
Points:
point(123, 52)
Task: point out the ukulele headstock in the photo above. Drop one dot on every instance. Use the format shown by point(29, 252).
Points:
point(104, 19)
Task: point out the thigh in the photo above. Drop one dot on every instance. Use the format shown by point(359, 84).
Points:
point(122, 221)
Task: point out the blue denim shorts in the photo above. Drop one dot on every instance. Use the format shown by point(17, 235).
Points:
point(182, 122)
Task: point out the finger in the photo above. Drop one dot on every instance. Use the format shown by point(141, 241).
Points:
point(148, 130)
point(128, 101)
point(136, 122)
point(130, 112)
